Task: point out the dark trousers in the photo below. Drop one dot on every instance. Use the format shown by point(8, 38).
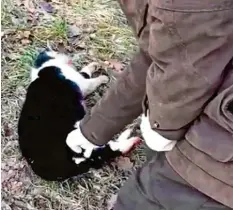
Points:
point(157, 186)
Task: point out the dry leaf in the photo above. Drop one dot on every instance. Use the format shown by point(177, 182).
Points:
point(111, 202)
point(61, 47)
point(26, 34)
point(57, 2)
point(7, 32)
point(25, 41)
point(124, 163)
point(5, 206)
point(72, 2)
point(16, 21)
point(18, 2)
point(118, 66)
point(82, 45)
point(29, 6)
point(7, 130)
point(47, 7)
point(93, 36)
point(73, 31)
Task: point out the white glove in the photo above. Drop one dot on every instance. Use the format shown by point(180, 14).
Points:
point(153, 140)
point(124, 143)
point(76, 141)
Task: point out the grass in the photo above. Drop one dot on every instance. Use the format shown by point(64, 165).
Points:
point(104, 35)
point(23, 64)
point(57, 30)
point(18, 72)
point(110, 37)
point(111, 41)
point(7, 7)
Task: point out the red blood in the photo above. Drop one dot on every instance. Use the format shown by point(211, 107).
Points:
point(137, 142)
point(70, 62)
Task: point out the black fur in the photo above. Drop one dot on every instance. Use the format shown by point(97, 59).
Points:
point(53, 104)
point(42, 58)
point(85, 75)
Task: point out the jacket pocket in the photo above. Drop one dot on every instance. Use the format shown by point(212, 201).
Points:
point(210, 138)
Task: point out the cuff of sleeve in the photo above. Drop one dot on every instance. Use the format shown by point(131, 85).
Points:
point(172, 134)
point(153, 139)
point(87, 129)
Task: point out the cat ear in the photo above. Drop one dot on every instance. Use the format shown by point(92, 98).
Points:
point(42, 58)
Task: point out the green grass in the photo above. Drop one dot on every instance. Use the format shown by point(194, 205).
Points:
point(21, 66)
point(111, 41)
point(6, 9)
point(59, 29)
point(111, 37)
point(27, 58)
point(55, 31)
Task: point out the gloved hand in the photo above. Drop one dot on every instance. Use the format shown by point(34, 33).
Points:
point(154, 140)
point(77, 142)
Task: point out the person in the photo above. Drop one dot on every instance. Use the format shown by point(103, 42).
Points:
point(181, 81)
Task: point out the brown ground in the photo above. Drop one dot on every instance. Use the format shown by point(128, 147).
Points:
point(89, 30)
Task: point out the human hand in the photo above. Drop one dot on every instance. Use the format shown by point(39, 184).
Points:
point(124, 143)
point(78, 142)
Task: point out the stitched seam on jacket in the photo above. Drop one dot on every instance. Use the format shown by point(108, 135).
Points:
point(212, 157)
point(193, 10)
point(188, 63)
point(187, 54)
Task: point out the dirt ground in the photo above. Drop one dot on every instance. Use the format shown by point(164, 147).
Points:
point(88, 30)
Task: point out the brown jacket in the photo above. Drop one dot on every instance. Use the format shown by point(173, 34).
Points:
point(181, 66)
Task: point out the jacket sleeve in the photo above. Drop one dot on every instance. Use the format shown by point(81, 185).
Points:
point(120, 105)
point(189, 51)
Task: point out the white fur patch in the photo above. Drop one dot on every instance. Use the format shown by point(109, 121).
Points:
point(67, 70)
point(34, 74)
point(78, 160)
point(61, 61)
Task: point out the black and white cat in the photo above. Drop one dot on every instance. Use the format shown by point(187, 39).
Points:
point(54, 104)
